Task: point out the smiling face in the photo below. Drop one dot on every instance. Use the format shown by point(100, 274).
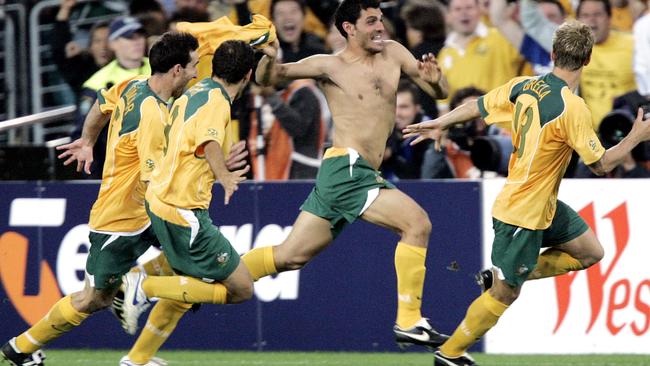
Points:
point(289, 20)
point(368, 32)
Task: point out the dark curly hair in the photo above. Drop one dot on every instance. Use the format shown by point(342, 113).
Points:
point(232, 61)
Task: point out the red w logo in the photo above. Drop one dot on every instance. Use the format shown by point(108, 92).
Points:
point(596, 277)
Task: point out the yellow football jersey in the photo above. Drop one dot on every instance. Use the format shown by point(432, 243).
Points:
point(548, 122)
point(608, 75)
point(184, 178)
point(133, 148)
point(485, 63)
point(259, 33)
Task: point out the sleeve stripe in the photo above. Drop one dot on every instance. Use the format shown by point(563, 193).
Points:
point(481, 107)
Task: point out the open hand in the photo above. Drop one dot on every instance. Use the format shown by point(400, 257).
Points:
point(230, 182)
point(272, 49)
point(425, 130)
point(641, 126)
point(80, 151)
point(428, 69)
point(237, 157)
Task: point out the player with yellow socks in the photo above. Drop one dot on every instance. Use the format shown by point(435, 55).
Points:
point(548, 123)
point(120, 230)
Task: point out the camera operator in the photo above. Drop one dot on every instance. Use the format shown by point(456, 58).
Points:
point(455, 160)
point(401, 160)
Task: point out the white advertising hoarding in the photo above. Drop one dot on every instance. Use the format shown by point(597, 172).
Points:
point(604, 309)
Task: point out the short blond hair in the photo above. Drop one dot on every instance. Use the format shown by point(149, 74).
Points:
point(572, 44)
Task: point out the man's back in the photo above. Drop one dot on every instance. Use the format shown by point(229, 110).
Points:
point(184, 178)
point(134, 147)
point(548, 122)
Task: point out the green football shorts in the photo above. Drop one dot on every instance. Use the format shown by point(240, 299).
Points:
point(113, 255)
point(197, 249)
point(346, 185)
point(515, 249)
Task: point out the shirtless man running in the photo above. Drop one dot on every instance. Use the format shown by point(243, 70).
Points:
point(360, 84)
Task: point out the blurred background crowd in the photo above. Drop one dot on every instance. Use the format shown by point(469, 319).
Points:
point(58, 53)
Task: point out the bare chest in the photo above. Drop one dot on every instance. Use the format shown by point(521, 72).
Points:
point(363, 84)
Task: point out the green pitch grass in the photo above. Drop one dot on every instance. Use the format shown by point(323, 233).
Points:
point(198, 358)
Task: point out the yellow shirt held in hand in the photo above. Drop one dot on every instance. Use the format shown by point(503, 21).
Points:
point(548, 123)
point(133, 149)
point(184, 178)
point(608, 75)
point(259, 33)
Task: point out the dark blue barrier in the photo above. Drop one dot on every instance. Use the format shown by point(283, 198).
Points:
point(344, 300)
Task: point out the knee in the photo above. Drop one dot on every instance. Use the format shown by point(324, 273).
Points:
point(593, 256)
point(243, 292)
point(91, 302)
point(289, 257)
point(419, 226)
point(295, 261)
point(505, 294)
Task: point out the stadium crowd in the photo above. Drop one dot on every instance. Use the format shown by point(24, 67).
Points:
point(479, 44)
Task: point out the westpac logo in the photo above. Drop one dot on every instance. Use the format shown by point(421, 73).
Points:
point(628, 304)
point(47, 213)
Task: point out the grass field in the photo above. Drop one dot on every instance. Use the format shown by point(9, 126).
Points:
point(106, 358)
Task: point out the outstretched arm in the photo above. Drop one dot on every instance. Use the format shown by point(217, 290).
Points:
point(434, 129)
point(81, 149)
point(425, 73)
point(615, 155)
point(270, 72)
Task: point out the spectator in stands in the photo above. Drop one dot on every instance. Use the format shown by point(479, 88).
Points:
point(539, 28)
point(609, 74)
point(293, 128)
point(187, 15)
point(198, 5)
point(127, 40)
point(622, 15)
point(455, 161)
point(642, 53)
point(289, 19)
point(334, 40)
point(503, 14)
point(152, 16)
point(75, 63)
point(425, 27)
point(317, 13)
point(401, 160)
point(425, 33)
point(475, 55)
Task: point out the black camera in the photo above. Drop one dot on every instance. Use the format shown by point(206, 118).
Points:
point(492, 153)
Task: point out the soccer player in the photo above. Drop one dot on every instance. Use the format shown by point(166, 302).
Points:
point(208, 267)
point(360, 84)
point(548, 123)
point(119, 226)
